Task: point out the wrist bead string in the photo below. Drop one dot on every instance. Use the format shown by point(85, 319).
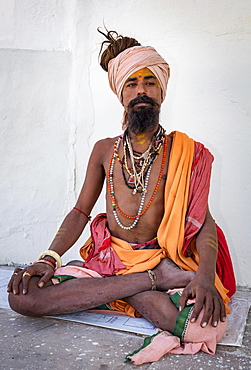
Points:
point(143, 194)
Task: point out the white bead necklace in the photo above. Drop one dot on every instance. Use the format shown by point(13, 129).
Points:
point(143, 194)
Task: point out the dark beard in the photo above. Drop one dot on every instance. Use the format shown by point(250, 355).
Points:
point(142, 119)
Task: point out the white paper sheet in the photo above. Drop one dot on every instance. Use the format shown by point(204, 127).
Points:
point(236, 322)
point(111, 321)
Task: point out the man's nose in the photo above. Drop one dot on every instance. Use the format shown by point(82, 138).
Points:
point(141, 89)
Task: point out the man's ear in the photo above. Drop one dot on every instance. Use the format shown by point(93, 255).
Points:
point(124, 120)
point(162, 99)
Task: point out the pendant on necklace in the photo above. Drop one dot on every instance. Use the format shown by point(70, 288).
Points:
point(130, 181)
point(139, 189)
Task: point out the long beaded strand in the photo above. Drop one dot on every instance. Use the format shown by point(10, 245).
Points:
point(155, 190)
point(136, 220)
point(111, 187)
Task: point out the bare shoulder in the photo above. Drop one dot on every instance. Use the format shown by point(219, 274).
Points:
point(103, 148)
point(95, 174)
point(105, 143)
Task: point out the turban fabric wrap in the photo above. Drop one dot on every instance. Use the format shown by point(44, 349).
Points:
point(133, 59)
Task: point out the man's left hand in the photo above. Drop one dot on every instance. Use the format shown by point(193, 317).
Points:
point(206, 296)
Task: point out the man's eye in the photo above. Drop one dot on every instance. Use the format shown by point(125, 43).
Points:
point(132, 84)
point(150, 83)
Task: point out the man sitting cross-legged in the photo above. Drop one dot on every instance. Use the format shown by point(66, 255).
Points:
point(157, 233)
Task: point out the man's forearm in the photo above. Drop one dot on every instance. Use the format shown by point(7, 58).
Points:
point(69, 232)
point(207, 247)
point(202, 287)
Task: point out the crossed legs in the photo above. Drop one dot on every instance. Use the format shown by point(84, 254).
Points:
point(83, 294)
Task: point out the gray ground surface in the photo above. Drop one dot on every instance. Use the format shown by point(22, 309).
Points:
point(44, 343)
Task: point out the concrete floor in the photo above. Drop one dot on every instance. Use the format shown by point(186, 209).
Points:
point(45, 343)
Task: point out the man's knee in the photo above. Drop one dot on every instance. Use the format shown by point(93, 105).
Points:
point(27, 304)
point(24, 304)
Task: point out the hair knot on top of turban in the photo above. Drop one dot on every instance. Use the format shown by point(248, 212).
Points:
point(133, 59)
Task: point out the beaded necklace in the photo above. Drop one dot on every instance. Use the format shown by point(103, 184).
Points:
point(138, 176)
point(130, 183)
point(115, 206)
point(140, 163)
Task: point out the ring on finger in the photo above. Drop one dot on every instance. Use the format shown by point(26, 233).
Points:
point(26, 274)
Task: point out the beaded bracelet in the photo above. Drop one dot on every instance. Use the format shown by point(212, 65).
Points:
point(79, 210)
point(152, 277)
point(53, 254)
point(45, 261)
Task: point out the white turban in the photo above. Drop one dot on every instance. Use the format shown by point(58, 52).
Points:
point(133, 59)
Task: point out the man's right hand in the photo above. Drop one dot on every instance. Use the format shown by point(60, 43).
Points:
point(24, 275)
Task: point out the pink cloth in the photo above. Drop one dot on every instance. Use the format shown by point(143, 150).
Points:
point(76, 271)
point(198, 191)
point(102, 258)
point(196, 339)
point(133, 59)
point(162, 343)
point(196, 213)
point(165, 342)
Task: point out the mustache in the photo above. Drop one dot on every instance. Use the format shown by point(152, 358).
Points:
point(142, 99)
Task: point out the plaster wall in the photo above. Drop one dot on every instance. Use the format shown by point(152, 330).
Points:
point(56, 103)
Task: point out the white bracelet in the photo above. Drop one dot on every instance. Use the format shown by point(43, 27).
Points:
point(53, 254)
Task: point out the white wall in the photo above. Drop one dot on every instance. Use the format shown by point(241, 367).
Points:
point(55, 103)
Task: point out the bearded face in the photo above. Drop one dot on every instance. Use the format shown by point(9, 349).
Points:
point(142, 115)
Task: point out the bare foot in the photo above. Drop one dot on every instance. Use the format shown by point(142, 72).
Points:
point(169, 275)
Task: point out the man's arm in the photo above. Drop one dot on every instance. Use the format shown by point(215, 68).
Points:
point(202, 286)
point(73, 224)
